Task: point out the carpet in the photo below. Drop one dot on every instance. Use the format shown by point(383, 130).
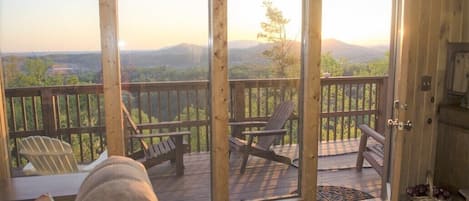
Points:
point(339, 193)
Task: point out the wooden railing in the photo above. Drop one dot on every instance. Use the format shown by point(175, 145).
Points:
point(75, 113)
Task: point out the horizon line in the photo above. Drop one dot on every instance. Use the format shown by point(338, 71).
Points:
point(169, 46)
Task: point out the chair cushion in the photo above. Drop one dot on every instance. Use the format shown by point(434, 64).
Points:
point(117, 178)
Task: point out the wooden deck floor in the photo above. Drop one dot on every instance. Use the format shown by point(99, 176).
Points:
point(263, 178)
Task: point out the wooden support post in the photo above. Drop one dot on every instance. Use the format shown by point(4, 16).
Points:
point(238, 107)
point(382, 106)
point(111, 77)
point(4, 150)
point(310, 99)
point(179, 155)
point(219, 99)
point(48, 113)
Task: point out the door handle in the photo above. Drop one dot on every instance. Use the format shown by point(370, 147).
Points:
point(407, 125)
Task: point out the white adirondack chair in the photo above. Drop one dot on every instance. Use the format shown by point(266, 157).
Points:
point(49, 156)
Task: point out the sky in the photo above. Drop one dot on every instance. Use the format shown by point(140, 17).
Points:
point(73, 25)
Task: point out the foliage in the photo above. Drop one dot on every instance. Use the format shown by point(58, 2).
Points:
point(375, 68)
point(331, 65)
point(163, 73)
point(35, 73)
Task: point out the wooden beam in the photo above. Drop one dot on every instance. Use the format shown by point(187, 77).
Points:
point(219, 99)
point(430, 128)
point(310, 101)
point(405, 64)
point(111, 77)
point(4, 153)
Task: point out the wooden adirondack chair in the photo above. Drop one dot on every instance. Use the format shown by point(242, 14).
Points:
point(374, 153)
point(265, 138)
point(172, 148)
point(49, 156)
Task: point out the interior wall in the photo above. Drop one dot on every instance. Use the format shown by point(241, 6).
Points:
point(452, 159)
point(428, 26)
point(466, 21)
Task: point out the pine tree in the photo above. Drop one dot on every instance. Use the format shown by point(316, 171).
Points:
point(281, 53)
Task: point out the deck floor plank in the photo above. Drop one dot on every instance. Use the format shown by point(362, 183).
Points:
point(263, 178)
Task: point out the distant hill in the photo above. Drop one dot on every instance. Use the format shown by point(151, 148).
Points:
point(242, 44)
point(188, 55)
point(353, 53)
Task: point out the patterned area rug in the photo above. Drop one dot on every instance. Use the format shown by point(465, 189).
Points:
point(339, 193)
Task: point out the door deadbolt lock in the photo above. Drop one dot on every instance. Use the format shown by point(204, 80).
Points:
point(399, 124)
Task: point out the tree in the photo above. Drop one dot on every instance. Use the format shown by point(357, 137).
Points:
point(11, 71)
point(331, 65)
point(281, 53)
point(35, 72)
point(376, 68)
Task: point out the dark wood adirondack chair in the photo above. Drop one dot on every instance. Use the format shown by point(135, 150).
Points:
point(172, 148)
point(273, 130)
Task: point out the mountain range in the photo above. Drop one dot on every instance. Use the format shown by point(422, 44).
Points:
point(189, 55)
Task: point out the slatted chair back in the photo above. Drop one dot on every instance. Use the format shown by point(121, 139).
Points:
point(131, 128)
point(276, 121)
point(48, 155)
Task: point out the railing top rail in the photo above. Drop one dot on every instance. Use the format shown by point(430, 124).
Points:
point(167, 85)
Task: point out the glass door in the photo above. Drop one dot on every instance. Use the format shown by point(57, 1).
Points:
point(264, 72)
point(354, 98)
point(165, 72)
point(52, 73)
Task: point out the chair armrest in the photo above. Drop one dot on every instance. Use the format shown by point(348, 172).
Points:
point(248, 123)
point(265, 132)
point(372, 133)
point(170, 134)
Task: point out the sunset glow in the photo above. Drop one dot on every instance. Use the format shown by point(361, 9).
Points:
point(51, 25)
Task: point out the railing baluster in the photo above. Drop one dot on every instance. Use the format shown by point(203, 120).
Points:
point(266, 99)
point(370, 101)
point(139, 107)
point(197, 118)
point(35, 119)
point(168, 101)
point(349, 110)
point(258, 97)
point(328, 111)
point(99, 123)
point(291, 121)
point(250, 102)
point(13, 126)
point(321, 106)
point(342, 127)
point(67, 110)
point(149, 108)
point(23, 112)
point(78, 125)
point(335, 111)
point(88, 111)
point(12, 114)
point(207, 136)
point(178, 103)
point(356, 109)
